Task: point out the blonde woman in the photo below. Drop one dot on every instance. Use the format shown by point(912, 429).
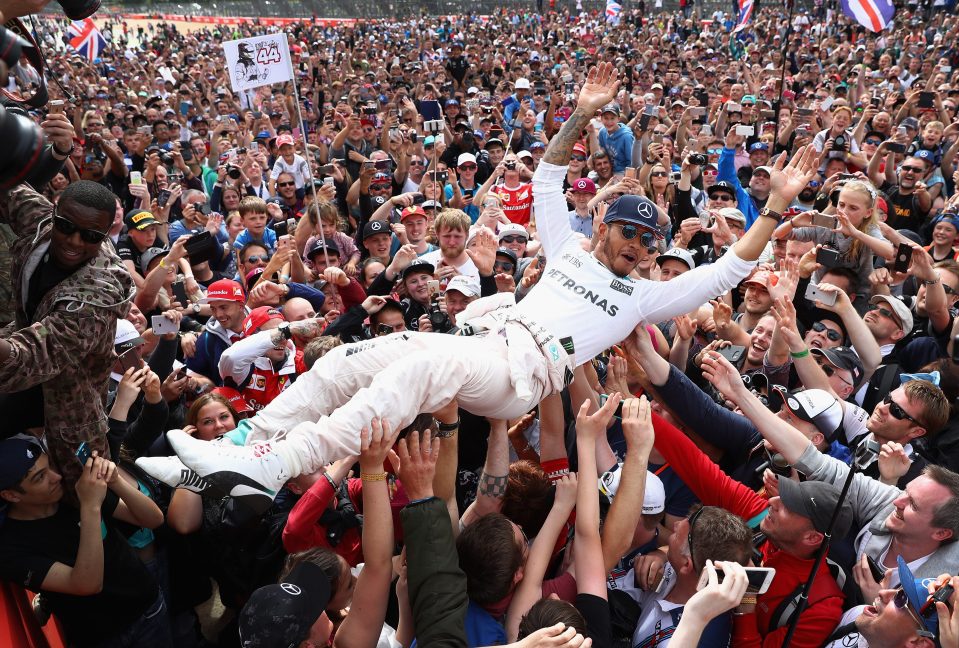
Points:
point(856, 235)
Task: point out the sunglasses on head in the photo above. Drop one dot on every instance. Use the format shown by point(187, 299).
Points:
point(833, 336)
point(897, 412)
point(647, 238)
point(66, 227)
point(689, 537)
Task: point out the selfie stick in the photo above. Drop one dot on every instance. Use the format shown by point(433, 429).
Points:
point(306, 146)
point(782, 78)
point(820, 556)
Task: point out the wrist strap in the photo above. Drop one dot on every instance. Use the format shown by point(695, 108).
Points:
point(799, 354)
point(373, 477)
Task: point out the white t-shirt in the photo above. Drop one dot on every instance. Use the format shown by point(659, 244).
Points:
point(853, 639)
point(579, 297)
point(300, 170)
point(468, 269)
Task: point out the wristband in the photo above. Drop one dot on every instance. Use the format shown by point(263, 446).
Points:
point(446, 430)
point(65, 154)
point(930, 282)
point(162, 263)
point(373, 477)
point(799, 354)
point(748, 599)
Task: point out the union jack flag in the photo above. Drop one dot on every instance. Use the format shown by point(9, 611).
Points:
point(745, 14)
point(871, 14)
point(613, 10)
point(86, 39)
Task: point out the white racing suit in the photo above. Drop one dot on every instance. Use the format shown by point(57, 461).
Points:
point(502, 373)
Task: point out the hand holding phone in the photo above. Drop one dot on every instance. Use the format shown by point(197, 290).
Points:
point(162, 325)
point(903, 258)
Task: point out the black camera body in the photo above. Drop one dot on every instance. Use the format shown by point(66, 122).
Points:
point(698, 159)
point(839, 143)
point(233, 172)
point(439, 320)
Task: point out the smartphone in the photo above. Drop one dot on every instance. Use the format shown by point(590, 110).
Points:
point(163, 197)
point(760, 578)
point(732, 106)
point(927, 99)
point(875, 569)
point(896, 147)
point(826, 103)
point(185, 107)
point(433, 286)
point(619, 408)
point(283, 228)
point(130, 359)
point(903, 257)
point(828, 257)
point(136, 178)
point(657, 138)
point(163, 326)
point(945, 69)
point(648, 113)
point(804, 112)
point(824, 220)
point(732, 353)
point(745, 131)
point(56, 106)
point(179, 292)
point(83, 453)
point(328, 180)
point(814, 294)
point(705, 220)
point(697, 112)
point(381, 165)
point(630, 172)
point(706, 130)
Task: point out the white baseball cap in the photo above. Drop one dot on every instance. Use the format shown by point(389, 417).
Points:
point(521, 84)
point(465, 157)
point(511, 229)
point(654, 497)
point(468, 286)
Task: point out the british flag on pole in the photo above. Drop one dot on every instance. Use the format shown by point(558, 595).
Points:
point(745, 15)
point(874, 15)
point(86, 39)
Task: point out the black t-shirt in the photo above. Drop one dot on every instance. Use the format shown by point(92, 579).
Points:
point(904, 211)
point(128, 251)
point(596, 612)
point(29, 548)
point(457, 66)
point(47, 275)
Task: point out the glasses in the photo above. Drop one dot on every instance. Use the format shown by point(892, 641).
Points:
point(897, 412)
point(467, 167)
point(648, 239)
point(830, 371)
point(689, 536)
point(884, 312)
point(578, 158)
point(285, 184)
point(949, 289)
point(813, 183)
point(513, 239)
point(901, 601)
point(659, 174)
point(722, 197)
point(66, 227)
point(417, 163)
point(834, 336)
point(507, 266)
point(912, 169)
point(257, 258)
point(872, 140)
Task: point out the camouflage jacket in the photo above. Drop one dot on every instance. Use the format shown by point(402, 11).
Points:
point(68, 347)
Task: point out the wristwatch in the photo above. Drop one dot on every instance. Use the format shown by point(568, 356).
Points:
point(285, 331)
point(768, 213)
point(196, 309)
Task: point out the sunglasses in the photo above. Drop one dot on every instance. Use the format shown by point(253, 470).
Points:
point(830, 371)
point(872, 140)
point(901, 601)
point(256, 258)
point(897, 412)
point(647, 238)
point(68, 228)
point(813, 183)
point(659, 174)
point(504, 265)
point(689, 538)
point(285, 184)
point(833, 336)
point(949, 289)
point(417, 163)
point(885, 313)
point(513, 239)
point(578, 158)
point(722, 197)
point(912, 169)
point(468, 167)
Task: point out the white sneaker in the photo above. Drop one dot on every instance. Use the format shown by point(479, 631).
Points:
point(251, 474)
point(172, 472)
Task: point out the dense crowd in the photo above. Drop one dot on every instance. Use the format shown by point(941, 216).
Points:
point(772, 451)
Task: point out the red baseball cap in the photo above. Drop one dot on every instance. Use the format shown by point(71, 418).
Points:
point(258, 317)
point(285, 139)
point(224, 290)
point(237, 402)
point(584, 185)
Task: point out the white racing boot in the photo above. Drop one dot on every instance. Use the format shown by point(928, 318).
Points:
point(172, 472)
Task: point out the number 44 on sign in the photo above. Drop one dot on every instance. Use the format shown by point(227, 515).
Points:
point(258, 61)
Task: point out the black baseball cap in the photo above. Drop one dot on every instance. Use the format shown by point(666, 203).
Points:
point(637, 210)
point(17, 456)
point(418, 265)
point(843, 358)
point(816, 500)
point(722, 185)
point(319, 245)
point(373, 228)
point(281, 615)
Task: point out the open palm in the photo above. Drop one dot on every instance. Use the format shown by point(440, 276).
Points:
point(787, 180)
point(602, 84)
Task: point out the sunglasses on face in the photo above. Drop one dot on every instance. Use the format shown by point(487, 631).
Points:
point(257, 258)
point(911, 169)
point(813, 184)
point(883, 312)
point(872, 140)
point(579, 158)
point(468, 167)
point(659, 174)
point(833, 336)
point(513, 239)
point(647, 238)
point(722, 197)
point(897, 412)
point(66, 227)
point(949, 289)
point(830, 371)
point(417, 163)
point(285, 184)
point(901, 601)
point(506, 266)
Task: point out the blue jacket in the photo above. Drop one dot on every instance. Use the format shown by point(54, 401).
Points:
point(727, 172)
point(619, 145)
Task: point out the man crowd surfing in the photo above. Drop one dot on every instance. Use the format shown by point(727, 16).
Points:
point(414, 330)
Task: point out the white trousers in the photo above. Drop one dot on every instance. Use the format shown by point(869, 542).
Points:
point(397, 377)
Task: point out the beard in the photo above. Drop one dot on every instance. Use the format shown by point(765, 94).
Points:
point(807, 195)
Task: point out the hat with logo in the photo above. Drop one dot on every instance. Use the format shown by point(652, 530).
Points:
point(508, 253)
point(381, 178)
point(224, 290)
point(149, 256)
point(910, 122)
point(126, 336)
point(512, 229)
point(237, 402)
point(899, 309)
point(419, 265)
point(636, 210)
point(584, 185)
point(917, 593)
point(452, 102)
point(815, 406)
point(467, 286)
point(925, 156)
point(17, 456)
point(535, 146)
point(258, 317)
point(677, 254)
point(843, 358)
point(654, 497)
point(816, 500)
point(412, 210)
point(319, 246)
point(285, 139)
point(612, 107)
point(139, 219)
point(759, 146)
point(372, 228)
point(521, 84)
point(465, 158)
point(722, 185)
point(276, 616)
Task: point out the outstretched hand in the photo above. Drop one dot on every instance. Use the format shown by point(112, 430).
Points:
point(602, 84)
point(787, 180)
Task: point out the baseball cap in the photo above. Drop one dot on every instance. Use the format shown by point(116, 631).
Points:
point(536, 145)
point(731, 213)
point(373, 228)
point(276, 616)
point(523, 154)
point(418, 265)
point(843, 358)
point(579, 148)
point(899, 309)
point(612, 107)
point(237, 402)
point(765, 169)
point(139, 219)
point(763, 278)
point(149, 255)
point(284, 139)
point(467, 286)
point(816, 500)
point(506, 252)
point(722, 185)
point(910, 122)
point(654, 497)
point(224, 290)
point(584, 185)
point(917, 593)
point(319, 245)
point(258, 317)
point(126, 336)
point(637, 210)
point(494, 141)
point(511, 229)
point(17, 456)
point(815, 406)
point(521, 84)
point(465, 158)
point(381, 178)
point(429, 140)
point(679, 254)
point(758, 146)
point(452, 102)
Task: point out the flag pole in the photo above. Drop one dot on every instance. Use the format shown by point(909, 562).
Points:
point(782, 78)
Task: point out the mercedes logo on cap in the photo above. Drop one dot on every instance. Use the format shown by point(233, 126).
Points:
point(376, 225)
point(645, 210)
point(291, 589)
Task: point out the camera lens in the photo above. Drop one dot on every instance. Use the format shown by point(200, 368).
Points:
point(233, 172)
point(11, 46)
point(79, 9)
point(24, 146)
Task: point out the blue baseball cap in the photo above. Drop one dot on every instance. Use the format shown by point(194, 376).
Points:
point(637, 210)
point(925, 156)
point(759, 146)
point(917, 593)
point(17, 456)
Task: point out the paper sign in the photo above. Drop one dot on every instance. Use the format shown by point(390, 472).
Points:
point(258, 61)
